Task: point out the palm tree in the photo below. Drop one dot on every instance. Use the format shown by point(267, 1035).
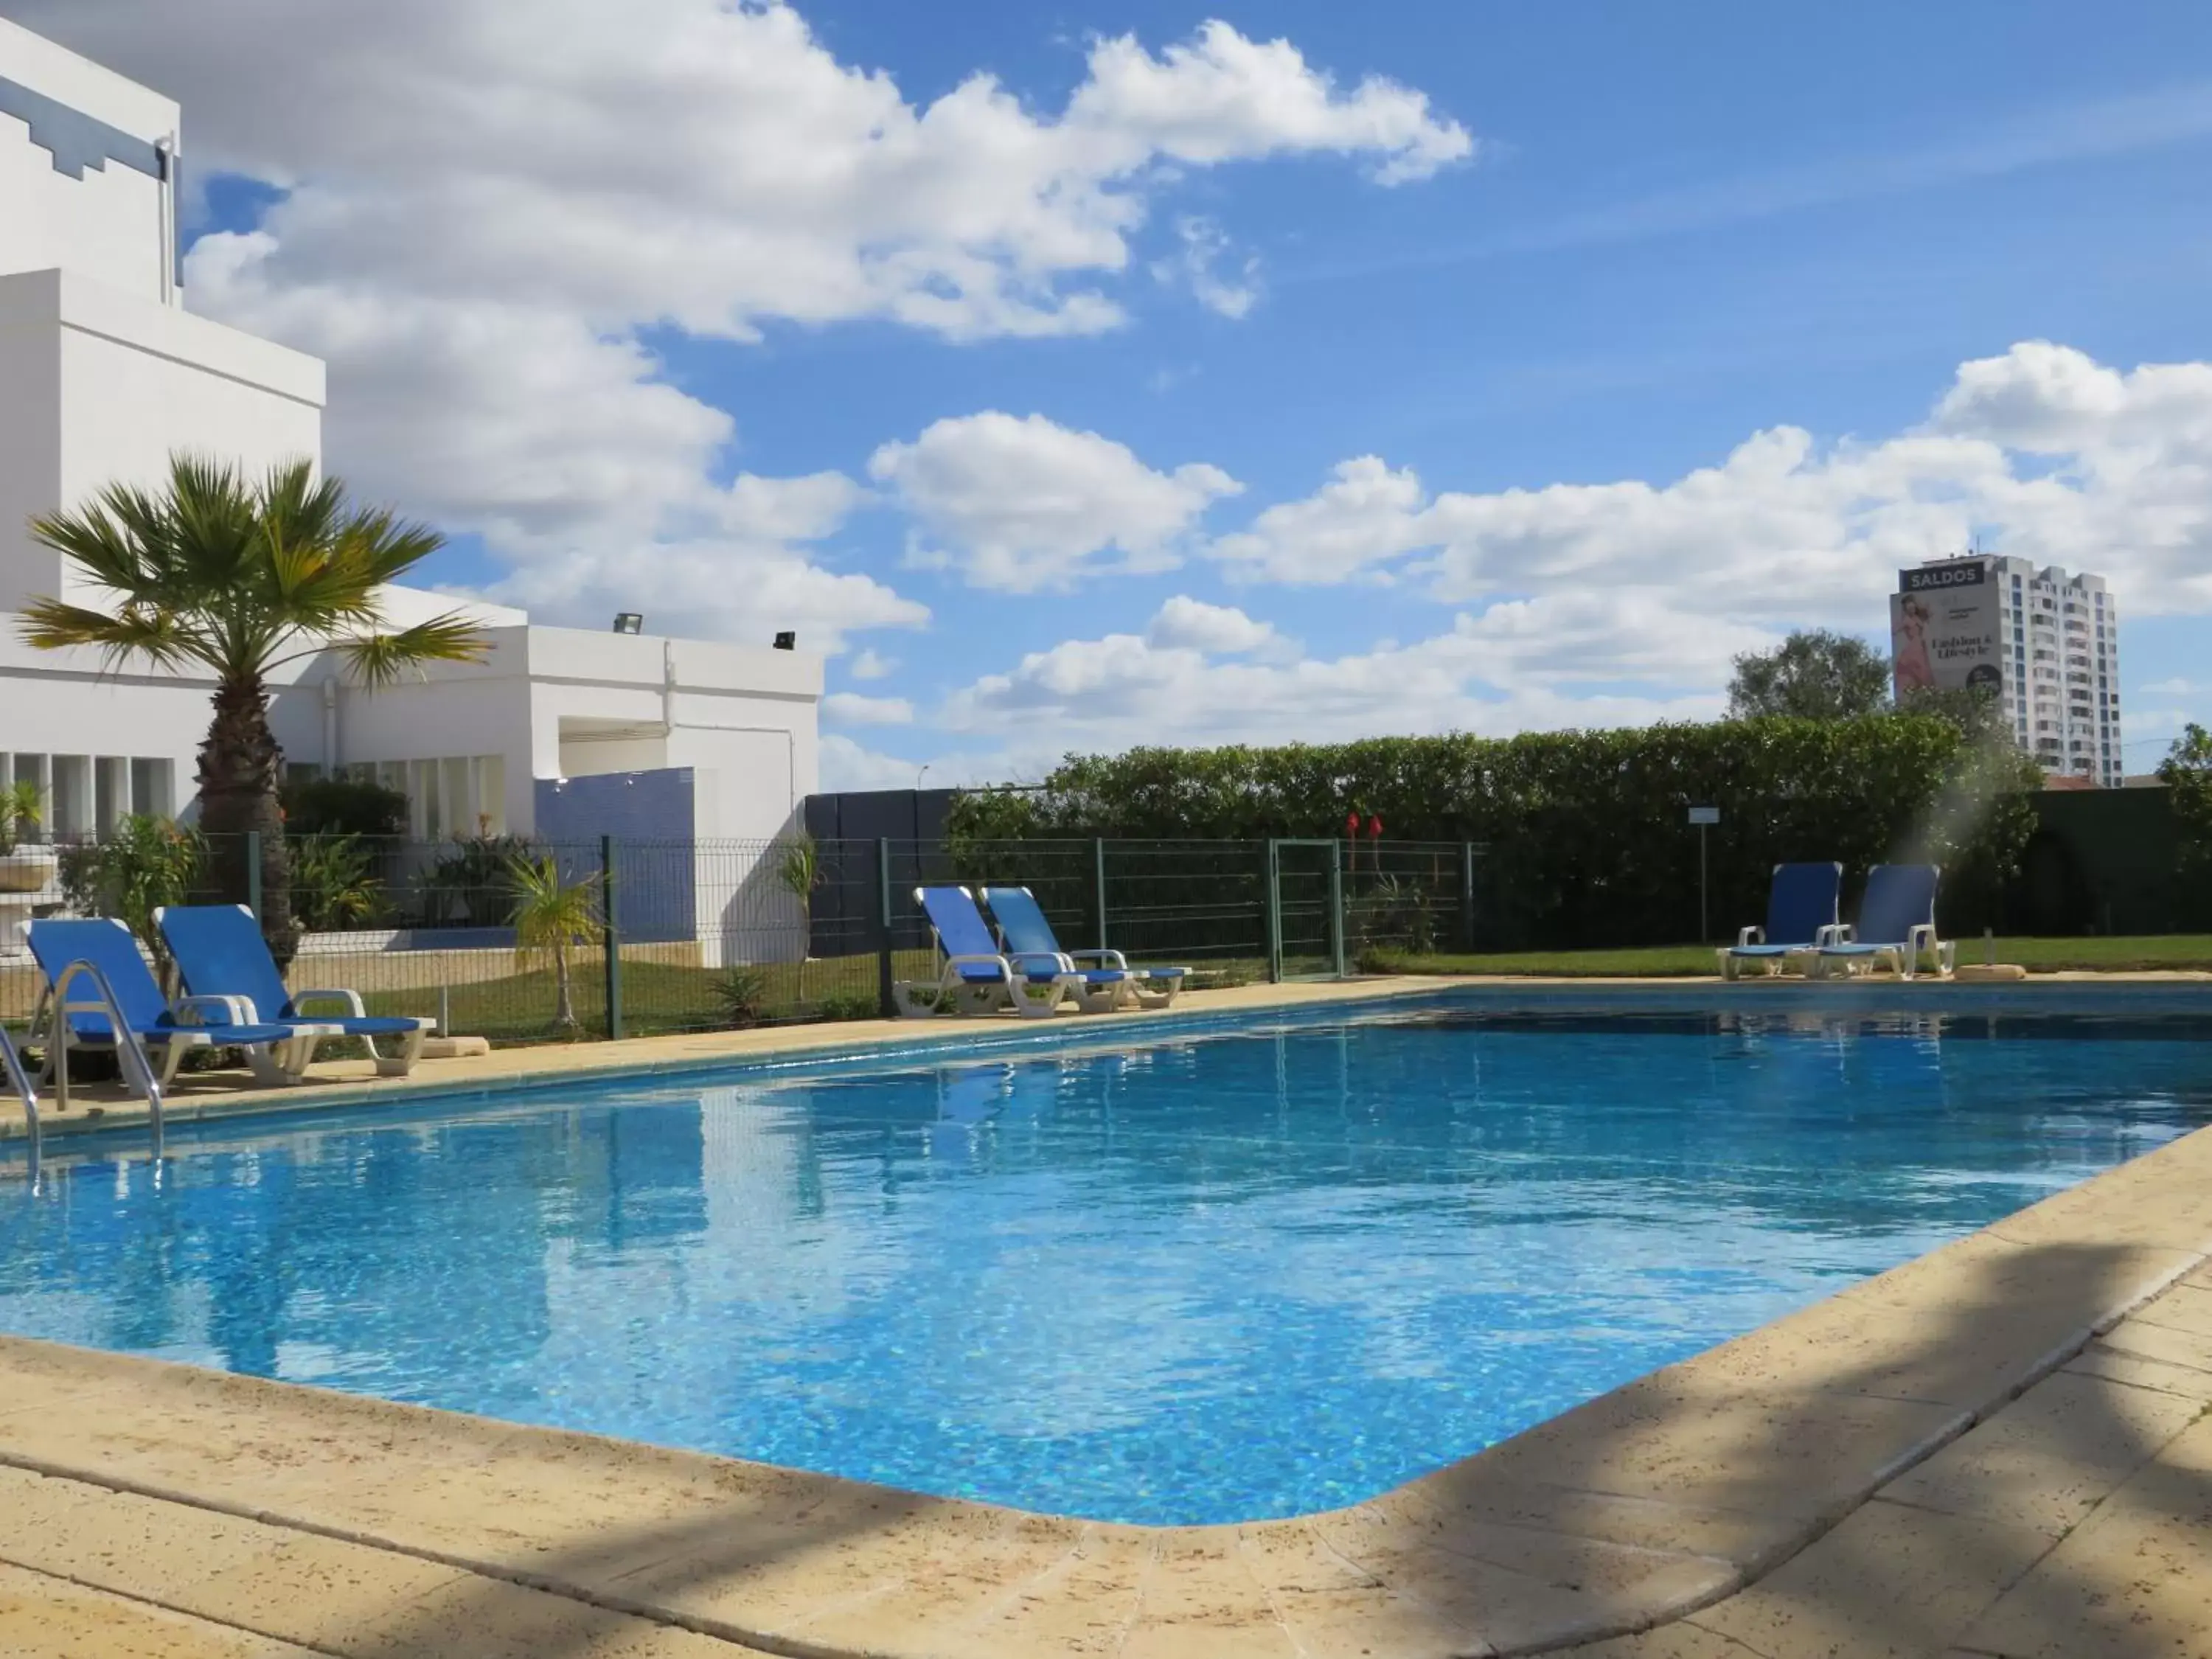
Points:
point(240, 577)
point(551, 914)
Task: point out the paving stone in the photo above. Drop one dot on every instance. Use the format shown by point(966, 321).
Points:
point(318, 1592)
point(490, 1618)
point(2183, 1308)
point(2160, 1342)
point(1681, 1639)
point(2132, 1581)
point(44, 1618)
point(2100, 1360)
point(2051, 1455)
point(1889, 1581)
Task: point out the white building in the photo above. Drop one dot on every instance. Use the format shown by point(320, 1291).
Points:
point(104, 372)
point(2048, 643)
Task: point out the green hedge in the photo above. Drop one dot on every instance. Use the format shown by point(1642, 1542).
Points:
point(1585, 831)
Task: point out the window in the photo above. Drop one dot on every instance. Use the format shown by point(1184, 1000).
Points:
point(88, 796)
point(451, 796)
point(153, 788)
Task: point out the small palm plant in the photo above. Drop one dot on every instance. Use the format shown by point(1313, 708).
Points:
point(237, 577)
point(799, 871)
point(550, 917)
point(23, 810)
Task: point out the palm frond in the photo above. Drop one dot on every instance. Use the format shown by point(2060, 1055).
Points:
point(236, 572)
point(379, 660)
point(135, 631)
point(551, 914)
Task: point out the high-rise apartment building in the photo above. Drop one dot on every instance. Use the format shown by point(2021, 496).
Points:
point(2048, 643)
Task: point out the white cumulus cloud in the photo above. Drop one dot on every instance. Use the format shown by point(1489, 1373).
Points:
point(1218, 629)
point(2041, 452)
point(487, 206)
point(1620, 658)
point(1022, 503)
point(851, 709)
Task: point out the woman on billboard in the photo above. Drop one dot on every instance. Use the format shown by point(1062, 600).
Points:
point(1908, 644)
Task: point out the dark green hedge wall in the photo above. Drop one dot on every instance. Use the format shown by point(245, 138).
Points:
point(1586, 832)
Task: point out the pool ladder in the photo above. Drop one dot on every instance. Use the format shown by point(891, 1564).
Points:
point(130, 1054)
point(19, 1084)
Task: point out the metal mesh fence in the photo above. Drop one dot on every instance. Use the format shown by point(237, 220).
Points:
point(647, 937)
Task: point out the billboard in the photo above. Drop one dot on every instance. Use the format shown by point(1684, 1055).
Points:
point(1944, 629)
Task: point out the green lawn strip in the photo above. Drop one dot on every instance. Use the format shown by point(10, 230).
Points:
point(2125, 954)
point(660, 998)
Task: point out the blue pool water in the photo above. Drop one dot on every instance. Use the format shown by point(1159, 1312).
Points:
point(1250, 1274)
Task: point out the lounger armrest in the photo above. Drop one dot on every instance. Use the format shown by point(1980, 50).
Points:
point(1751, 936)
point(979, 960)
point(232, 1010)
point(1031, 962)
point(1921, 941)
point(351, 998)
point(1835, 932)
point(1103, 958)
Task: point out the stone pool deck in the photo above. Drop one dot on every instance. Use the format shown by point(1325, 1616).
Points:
point(2002, 1449)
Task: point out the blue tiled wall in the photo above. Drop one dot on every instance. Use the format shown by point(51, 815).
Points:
point(649, 814)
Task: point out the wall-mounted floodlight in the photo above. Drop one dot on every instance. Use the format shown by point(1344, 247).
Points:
point(786, 641)
point(630, 621)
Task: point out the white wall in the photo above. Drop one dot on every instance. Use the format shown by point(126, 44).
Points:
point(61, 703)
point(112, 385)
point(30, 436)
point(111, 224)
point(744, 718)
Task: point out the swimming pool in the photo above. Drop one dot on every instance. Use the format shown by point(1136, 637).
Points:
point(1257, 1272)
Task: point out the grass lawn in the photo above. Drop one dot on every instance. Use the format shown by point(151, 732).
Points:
point(2178, 951)
point(656, 997)
point(659, 997)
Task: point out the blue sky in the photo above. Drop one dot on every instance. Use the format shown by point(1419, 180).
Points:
point(1671, 229)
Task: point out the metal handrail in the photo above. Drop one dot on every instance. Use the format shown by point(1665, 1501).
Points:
point(19, 1080)
point(130, 1051)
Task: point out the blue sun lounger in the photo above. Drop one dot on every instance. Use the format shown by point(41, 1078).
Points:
point(220, 952)
point(1896, 927)
point(977, 976)
point(276, 1051)
point(1801, 915)
point(1110, 983)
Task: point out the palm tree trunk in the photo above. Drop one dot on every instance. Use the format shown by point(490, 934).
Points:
point(240, 765)
point(564, 1006)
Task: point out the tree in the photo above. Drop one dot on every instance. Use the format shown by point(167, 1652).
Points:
point(1813, 675)
point(1974, 709)
point(240, 577)
point(550, 915)
point(2186, 771)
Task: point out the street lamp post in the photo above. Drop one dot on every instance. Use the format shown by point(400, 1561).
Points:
point(1704, 817)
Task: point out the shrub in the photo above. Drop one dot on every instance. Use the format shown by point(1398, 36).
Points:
point(1585, 831)
point(473, 882)
point(147, 864)
point(741, 993)
point(848, 1004)
point(334, 883)
point(343, 806)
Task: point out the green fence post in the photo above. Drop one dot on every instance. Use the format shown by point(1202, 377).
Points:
point(1274, 918)
point(886, 1004)
point(1336, 901)
point(1467, 896)
point(610, 944)
point(1098, 884)
point(253, 872)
